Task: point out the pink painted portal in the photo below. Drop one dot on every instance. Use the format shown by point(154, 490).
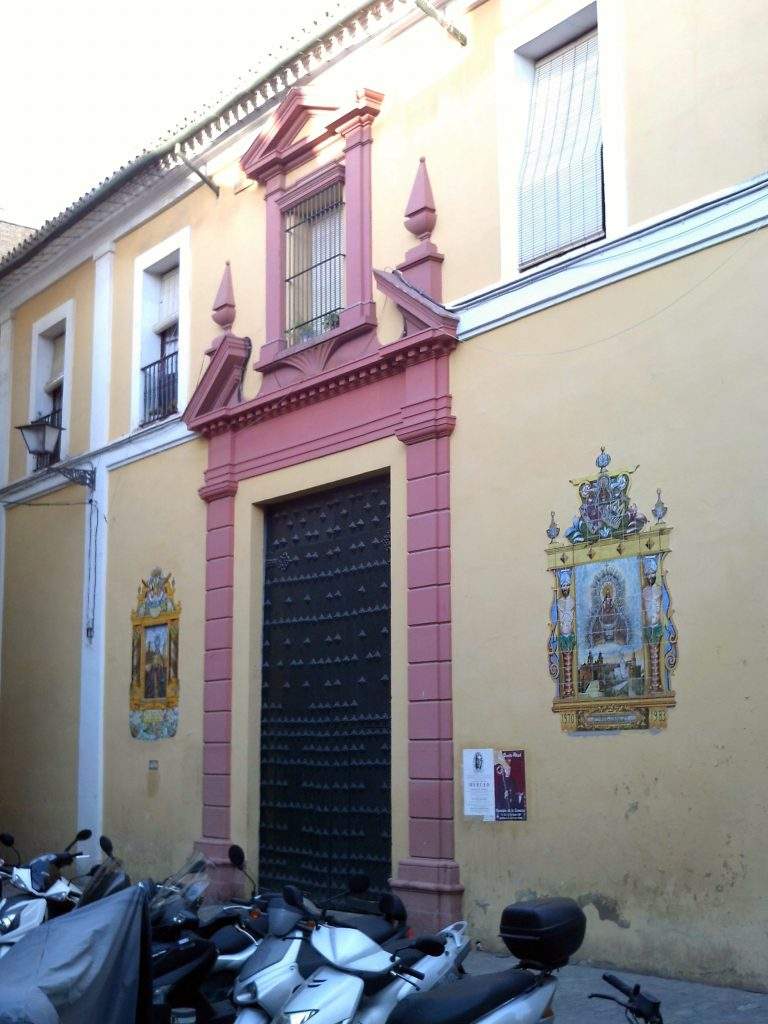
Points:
point(360, 395)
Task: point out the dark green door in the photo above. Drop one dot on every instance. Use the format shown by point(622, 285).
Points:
point(325, 719)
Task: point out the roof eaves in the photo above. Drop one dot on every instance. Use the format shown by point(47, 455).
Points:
point(339, 34)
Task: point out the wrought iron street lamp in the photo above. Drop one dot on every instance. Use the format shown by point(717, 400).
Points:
point(42, 439)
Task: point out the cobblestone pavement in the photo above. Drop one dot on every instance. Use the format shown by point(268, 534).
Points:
point(682, 1002)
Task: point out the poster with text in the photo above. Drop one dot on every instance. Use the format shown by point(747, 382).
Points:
point(509, 786)
point(478, 770)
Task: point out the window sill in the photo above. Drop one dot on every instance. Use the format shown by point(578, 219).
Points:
point(146, 427)
point(558, 254)
point(282, 364)
point(353, 322)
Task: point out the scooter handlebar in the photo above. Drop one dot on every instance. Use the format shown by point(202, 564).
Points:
point(622, 986)
point(412, 971)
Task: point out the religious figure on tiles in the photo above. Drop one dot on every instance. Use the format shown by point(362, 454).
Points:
point(612, 644)
point(566, 618)
point(653, 631)
point(154, 695)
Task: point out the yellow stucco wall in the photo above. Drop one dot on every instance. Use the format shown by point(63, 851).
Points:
point(387, 456)
point(663, 837)
point(77, 285)
point(691, 104)
point(155, 519)
point(41, 672)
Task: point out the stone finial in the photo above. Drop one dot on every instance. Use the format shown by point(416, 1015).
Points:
point(223, 312)
point(420, 213)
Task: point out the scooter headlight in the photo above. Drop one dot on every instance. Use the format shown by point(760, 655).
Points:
point(296, 1016)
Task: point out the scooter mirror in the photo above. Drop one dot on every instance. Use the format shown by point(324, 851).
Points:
point(83, 834)
point(236, 856)
point(7, 839)
point(359, 883)
point(293, 897)
point(106, 845)
point(429, 945)
point(392, 907)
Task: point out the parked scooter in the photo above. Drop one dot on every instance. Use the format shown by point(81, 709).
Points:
point(640, 1006)
point(303, 940)
point(34, 892)
point(237, 926)
point(543, 934)
point(106, 878)
point(183, 959)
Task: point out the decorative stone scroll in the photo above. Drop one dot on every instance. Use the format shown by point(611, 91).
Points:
point(154, 702)
point(612, 643)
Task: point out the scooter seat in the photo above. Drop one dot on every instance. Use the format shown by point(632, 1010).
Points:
point(463, 1001)
point(376, 928)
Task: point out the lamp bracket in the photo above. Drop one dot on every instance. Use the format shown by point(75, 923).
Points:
point(84, 477)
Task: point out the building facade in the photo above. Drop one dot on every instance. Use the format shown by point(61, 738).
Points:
point(304, 566)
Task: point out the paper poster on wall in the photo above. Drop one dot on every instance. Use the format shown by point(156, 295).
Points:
point(509, 785)
point(494, 784)
point(478, 783)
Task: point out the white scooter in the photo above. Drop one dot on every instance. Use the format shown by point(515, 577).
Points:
point(303, 942)
point(543, 933)
point(38, 890)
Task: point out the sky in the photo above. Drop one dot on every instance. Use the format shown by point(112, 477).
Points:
point(85, 86)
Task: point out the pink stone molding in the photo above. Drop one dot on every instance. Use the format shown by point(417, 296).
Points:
point(423, 264)
point(281, 148)
point(348, 399)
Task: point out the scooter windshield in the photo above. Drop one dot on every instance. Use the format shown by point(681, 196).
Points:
point(108, 878)
point(188, 885)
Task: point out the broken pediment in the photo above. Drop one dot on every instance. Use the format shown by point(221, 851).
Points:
point(304, 121)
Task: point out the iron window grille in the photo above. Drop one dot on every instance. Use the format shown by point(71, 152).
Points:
point(53, 419)
point(160, 380)
point(314, 265)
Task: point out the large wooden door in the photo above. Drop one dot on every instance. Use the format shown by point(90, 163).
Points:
point(325, 720)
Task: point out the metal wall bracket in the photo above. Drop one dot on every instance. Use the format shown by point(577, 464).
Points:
point(84, 477)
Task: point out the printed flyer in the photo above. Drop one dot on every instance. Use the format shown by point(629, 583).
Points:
point(494, 784)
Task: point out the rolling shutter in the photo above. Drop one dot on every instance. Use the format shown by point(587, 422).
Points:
point(561, 182)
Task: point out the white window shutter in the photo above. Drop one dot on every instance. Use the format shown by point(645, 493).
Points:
point(56, 374)
point(169, 296)
point(561, 181)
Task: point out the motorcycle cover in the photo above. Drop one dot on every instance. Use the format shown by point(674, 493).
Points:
point(93, 964)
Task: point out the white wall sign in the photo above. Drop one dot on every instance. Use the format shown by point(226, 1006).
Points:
point(478, 783)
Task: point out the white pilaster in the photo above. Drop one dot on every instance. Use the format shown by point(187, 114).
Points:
point(6, 338)
point(90, 765)
point(90, 761)
point(101, 353)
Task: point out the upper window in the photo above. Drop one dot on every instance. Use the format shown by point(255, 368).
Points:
point(160, 350)
point(561, 202)
point(160, 369)
point(314, 264)
point(319, 281)
point(49, 383)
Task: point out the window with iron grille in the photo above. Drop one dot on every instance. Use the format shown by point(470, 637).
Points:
point(160, 377)
point(314, 265)
point(48, 385)
point(561, 183)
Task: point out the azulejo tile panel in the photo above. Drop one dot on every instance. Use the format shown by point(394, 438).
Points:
point(154, 694)
point(612, 644)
